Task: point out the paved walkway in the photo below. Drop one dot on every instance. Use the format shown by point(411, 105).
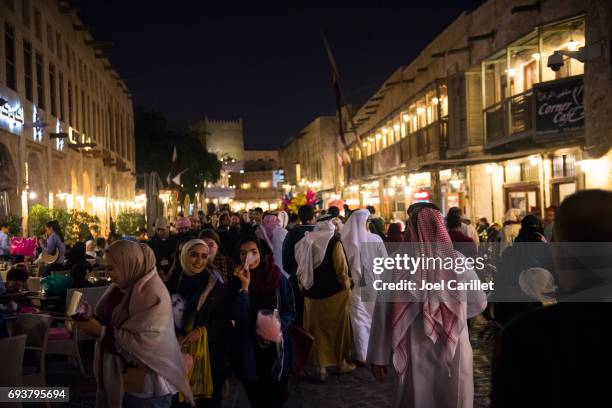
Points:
point(355, 390)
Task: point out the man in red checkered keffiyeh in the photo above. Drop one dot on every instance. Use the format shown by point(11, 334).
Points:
point(426, 339)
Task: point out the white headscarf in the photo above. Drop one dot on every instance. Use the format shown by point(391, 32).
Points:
point(538, 284)
point(187, 269)
point(353, 234)
point(284, 218)
point(310, 251)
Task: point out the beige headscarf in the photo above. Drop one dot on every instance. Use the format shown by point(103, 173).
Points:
point(187, 269)
point(132, 259)
point(142, 325)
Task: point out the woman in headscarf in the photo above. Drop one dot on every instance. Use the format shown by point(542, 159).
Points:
point(138, 360)
point(90, 249)
point(361, 248)
point(216, 260)
point(395, 233)
point(425, 335)
point(271, 232)
point(323, 275)
point(529, 250)
point(201, 314)
point(262, 366)
point(510, 228)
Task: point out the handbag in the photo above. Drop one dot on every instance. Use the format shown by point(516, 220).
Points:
point(301, 343)
point(23, 246)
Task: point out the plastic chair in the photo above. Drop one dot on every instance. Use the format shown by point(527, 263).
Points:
point(36, 328)
point(11, 350)
point(63, 341)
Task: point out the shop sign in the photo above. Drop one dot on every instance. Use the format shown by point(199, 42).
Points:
point(9, 114)
point(452, 200)
point(421, 195)
point(559, 105)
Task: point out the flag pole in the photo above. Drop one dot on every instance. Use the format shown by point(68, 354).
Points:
point(340, 99)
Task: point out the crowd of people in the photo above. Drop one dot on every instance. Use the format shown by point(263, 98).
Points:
point(229, 294)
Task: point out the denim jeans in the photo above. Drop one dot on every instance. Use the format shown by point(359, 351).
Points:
point(130, 401)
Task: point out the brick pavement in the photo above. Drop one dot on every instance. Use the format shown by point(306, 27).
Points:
point(355, 390)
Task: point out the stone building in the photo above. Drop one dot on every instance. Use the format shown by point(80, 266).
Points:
point(478, 120)
point(66, 118)
point(225, 138)
point(257, 183)
point(309, 159)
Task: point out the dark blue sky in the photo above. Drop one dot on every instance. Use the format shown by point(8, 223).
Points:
point(264, 62)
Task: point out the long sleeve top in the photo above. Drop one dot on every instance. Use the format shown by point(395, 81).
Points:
point(54, 243)
point(4, 244)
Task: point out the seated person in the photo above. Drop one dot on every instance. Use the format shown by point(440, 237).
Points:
point(78, 273)
point(16, 280)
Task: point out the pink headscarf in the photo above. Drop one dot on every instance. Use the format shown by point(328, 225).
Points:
point(183, 222)
point(444, 313)
point(267, 227)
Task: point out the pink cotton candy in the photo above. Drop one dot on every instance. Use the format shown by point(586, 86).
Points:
point(268, 326)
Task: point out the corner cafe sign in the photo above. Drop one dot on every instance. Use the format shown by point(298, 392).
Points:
point(559, 105)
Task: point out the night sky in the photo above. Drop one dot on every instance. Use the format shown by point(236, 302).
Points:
point(264, 62)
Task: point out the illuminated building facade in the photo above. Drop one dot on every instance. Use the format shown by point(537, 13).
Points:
point(66, 118)
point(479, 121)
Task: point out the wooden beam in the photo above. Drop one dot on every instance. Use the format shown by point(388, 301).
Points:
point(486, 36)
point(527, 7)
point(424, 69)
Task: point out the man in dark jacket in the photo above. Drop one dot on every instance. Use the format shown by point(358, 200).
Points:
point(163, 246)
point(306, 214)
point(559, 356)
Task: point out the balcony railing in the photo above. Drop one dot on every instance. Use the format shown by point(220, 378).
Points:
point(418, 147)
point(512, 116)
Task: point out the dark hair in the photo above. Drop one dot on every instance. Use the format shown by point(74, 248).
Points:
point(394, 228)
point(77, 252)
point(531, 229)
point(453, 219)
point(211, 234)
point(18, 274)
point(455, 210)
point(293, 217)
point(585, 216)
point(258, 209)
point(101, 242)
point(243, 240)
point(4, 225)
point(78, 273)
point(306, 213)
point(333, 211)
point(371, 209)
point(54, 225)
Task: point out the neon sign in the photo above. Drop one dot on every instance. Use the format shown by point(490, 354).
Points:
point(421, 195)
point(11, 115)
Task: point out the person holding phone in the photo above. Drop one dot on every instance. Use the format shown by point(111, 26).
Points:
point(262, 366)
